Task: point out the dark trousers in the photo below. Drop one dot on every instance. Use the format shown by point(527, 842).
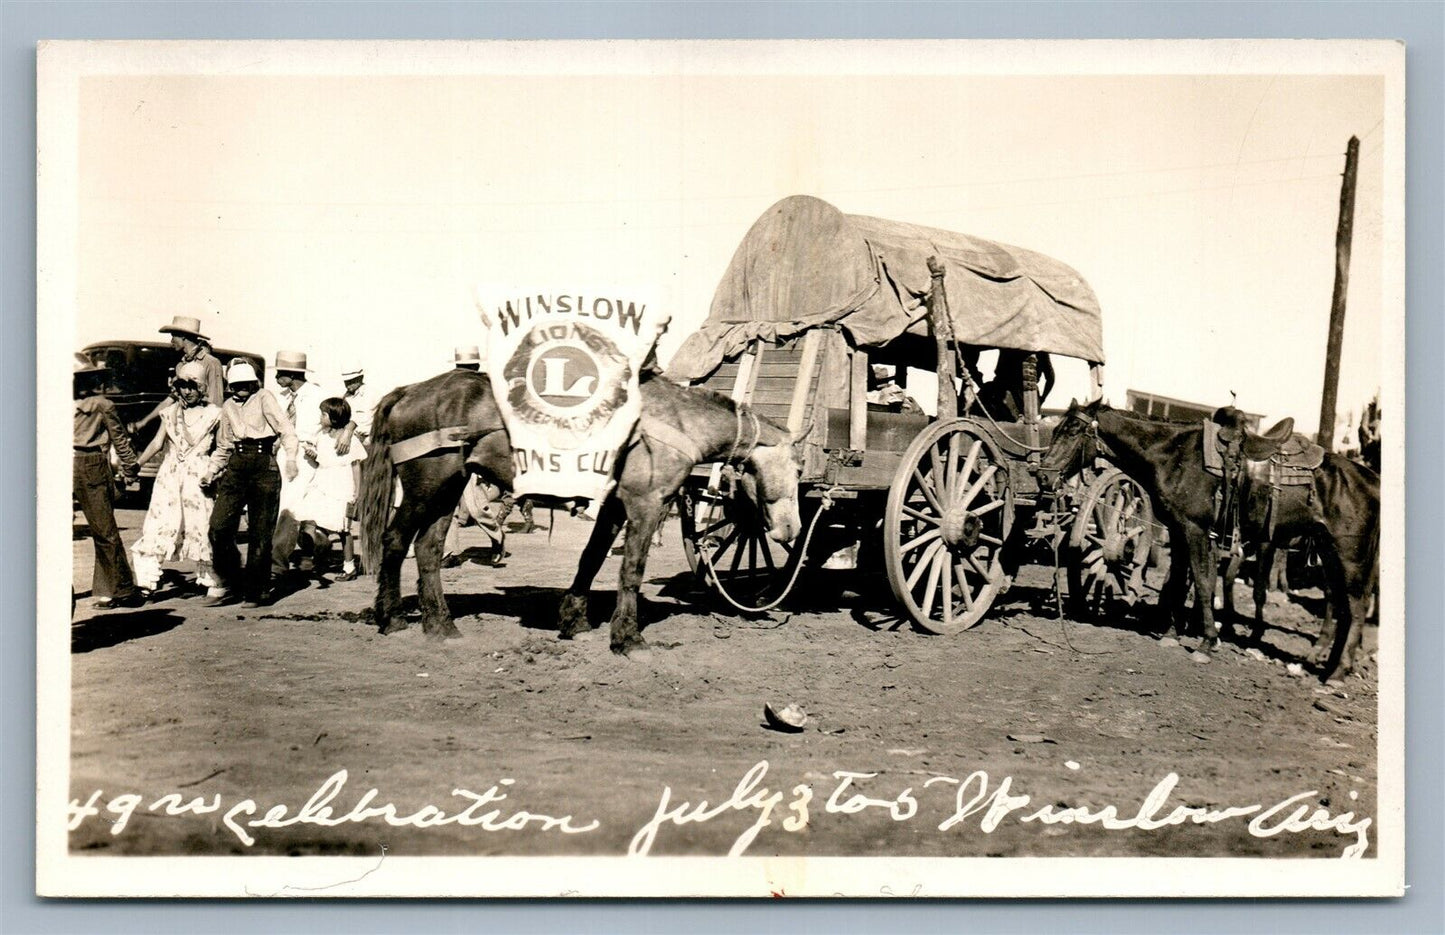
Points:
point(251, 482)
point(94, 488)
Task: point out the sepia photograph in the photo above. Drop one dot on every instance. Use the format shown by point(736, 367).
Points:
point(746, 469)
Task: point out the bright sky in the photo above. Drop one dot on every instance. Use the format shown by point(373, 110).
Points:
point(352, 217)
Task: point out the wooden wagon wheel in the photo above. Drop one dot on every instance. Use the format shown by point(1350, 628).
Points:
point(949, 513)
point(725, 539)
point(1109, 545)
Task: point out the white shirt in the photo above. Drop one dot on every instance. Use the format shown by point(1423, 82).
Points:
point(304, 407)
point(362, 403)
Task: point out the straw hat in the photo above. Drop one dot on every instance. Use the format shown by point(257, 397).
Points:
point(291, 361)
point(242, 372)
point(467, 355)
point(352, 372)
point(185, 324)
point(83, 365)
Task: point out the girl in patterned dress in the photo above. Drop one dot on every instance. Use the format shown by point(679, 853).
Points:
point(178, 521)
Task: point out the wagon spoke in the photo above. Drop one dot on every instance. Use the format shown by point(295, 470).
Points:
point(983, 478)
point(916, 514)
point(927, 491)
point(720, 524)
point(923, 563)
point(982, 571)
point(935, 569)
point(768, 555)
point(946, 561)
point(940, 475)
point(970, 462)
point(726, 541)
point(954, 442)
point(989, 508)
point(964, 588)
point(991, 540)
point(922, 539)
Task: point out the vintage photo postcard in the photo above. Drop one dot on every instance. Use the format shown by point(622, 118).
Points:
point(743, 469)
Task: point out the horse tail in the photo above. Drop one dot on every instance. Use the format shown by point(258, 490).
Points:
point(378, 479)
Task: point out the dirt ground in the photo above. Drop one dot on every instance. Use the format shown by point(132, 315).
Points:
point(225, 705)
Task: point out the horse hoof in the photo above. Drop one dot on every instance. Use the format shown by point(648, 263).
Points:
point(445, 630)
point(393, 625)
point(633, 648)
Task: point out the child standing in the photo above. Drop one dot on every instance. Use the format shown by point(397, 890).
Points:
point(330, 497)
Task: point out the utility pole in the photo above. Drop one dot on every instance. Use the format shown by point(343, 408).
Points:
point(1343, 235)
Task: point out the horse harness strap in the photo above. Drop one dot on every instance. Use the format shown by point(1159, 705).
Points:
point(738, 434)
point(409, 449)
point(660, 431)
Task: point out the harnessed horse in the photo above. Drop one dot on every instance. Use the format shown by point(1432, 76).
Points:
point(431, 435)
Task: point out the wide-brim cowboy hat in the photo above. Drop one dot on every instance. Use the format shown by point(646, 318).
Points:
point(291, 362)
point(467, 355)
point(353, 372)
point(185, 324)
point(84, 365)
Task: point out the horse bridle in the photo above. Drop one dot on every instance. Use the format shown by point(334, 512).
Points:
point(735, 454)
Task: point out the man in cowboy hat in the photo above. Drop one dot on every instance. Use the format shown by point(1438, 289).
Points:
point(186, 337)
point(302, 401)
point(245, 464)
point(97, 430)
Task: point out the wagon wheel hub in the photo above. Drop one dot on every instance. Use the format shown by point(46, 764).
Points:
point(1118, 547)
point(960, 528)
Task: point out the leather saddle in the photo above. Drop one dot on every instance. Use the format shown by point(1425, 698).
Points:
point(1228, 441)
point(1295, 463)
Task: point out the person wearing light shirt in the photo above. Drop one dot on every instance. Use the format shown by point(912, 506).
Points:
point(244, 471)
point(301, 399)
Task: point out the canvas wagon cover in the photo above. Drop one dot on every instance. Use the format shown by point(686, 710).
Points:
point(805, 263)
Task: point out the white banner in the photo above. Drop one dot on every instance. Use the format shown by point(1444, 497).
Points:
point(564, 368)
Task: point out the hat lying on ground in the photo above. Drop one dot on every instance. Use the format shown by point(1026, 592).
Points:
point(242, 372)
point(352, 372)
point(185, 324)
point(291, 361)
point(467, 355)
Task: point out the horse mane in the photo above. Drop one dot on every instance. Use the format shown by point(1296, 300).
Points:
point(1133, 416)
point(713, 396)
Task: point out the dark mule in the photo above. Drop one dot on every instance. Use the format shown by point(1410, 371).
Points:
point(689, 426)
point(1340, 513)
point(1167, 459)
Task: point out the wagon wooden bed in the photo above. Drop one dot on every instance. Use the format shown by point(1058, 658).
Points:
point(949, 503)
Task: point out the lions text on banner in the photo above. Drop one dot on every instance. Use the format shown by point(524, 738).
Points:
point(564, 366)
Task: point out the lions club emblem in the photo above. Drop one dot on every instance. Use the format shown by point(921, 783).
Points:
point(568, 379)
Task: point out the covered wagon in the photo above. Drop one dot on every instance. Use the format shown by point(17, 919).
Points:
point(825, 321)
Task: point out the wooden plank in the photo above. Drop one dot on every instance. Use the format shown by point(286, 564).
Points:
point(743, 381)
point(807, 374)
point(858, 401)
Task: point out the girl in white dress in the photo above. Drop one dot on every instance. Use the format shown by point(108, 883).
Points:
point(327, 503)
point(179, 518)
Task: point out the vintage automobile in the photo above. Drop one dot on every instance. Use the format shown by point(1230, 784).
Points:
point(138, 376)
